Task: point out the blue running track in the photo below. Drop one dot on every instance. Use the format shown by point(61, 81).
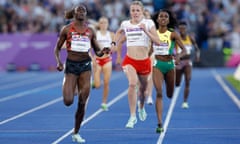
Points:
point(32, 112)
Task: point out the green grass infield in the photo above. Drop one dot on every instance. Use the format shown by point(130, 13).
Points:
point(234, 82)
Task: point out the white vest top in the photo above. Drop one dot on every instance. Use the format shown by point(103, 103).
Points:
point(134, 34)
point(104, 40)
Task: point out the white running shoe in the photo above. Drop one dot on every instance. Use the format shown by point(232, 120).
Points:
point(104, 107)
point(185, 105)
point(77, 138)
point(131, 122)
point(138, 105)
point(142, 114)
point(149, 100)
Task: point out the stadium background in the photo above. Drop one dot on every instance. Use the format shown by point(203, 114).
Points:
point(29, 28)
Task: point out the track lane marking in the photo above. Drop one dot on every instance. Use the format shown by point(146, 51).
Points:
point(117, 98)
point(169, 114)
point(226, 88)
point(31, 110)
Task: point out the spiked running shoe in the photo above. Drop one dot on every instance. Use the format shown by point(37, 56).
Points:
point(77, 138)
point(131, 122)
point(159, 129)
point(142, 114)
point(104, 107)
point(149, 100)
point(93, 85)
point(185, 105)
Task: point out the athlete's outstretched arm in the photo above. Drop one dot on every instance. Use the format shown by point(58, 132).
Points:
point(95, 45)
point(180, 44)
point(60, 41)
point(118, 40)
point(197, 50)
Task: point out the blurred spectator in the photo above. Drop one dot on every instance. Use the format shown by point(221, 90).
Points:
point(210, 20)
point(234, 60)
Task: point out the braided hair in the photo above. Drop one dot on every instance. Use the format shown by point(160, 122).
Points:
point(172, 19)
point(69, 14)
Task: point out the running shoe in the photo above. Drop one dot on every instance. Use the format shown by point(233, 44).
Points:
point(149, 100)
point(159, 129)
point(138, 105)
point(104, 107)
point(142, 114)
point(93, 85)
point(77, 138)
point(131, 122)
point(185, 105)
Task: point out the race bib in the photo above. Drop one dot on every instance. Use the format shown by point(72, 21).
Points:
point(188, 49)
point(80, 43)
point(162, 49)
point(135, 37)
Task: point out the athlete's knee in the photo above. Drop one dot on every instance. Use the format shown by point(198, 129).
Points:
point(132, 85)
point(68, 101)
point(106, 82)
point(85, 92)
point(187, 83)
point(159, 94)
point(68, 95)
point(96, 84)
point(170, 94)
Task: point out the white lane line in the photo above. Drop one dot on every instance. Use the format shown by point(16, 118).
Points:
point(24, 93)
point(13, 77)
point(31, 110)
point(117, 98)
point(169, 114)
point(29, 81)
point(21, 94)
point(226, 88)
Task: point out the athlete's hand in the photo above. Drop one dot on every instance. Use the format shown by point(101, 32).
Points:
point(113, 48)
point(59, 66)
point(142, 26)
point(176, 60)
point(197, 59)
point(106, 50)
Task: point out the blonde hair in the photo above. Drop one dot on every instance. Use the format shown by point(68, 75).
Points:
point(139, 3)
point(147, 13)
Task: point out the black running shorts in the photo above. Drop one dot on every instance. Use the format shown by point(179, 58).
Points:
point(76, 67)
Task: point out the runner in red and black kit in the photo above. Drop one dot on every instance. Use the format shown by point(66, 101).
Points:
point(79, 38)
